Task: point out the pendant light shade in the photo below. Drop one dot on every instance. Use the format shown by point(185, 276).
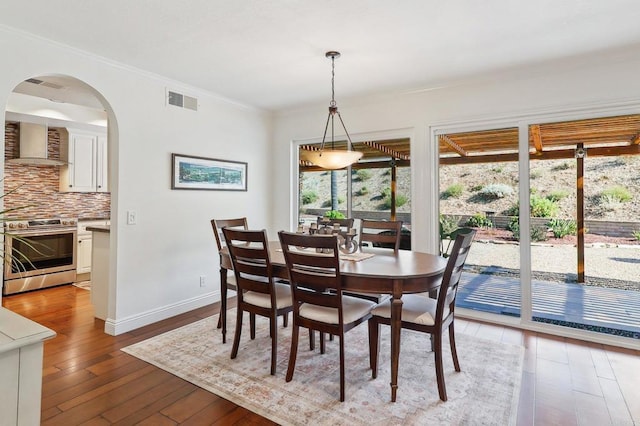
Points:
point(333, 159)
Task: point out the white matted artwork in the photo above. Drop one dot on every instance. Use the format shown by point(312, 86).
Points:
point(191, 172)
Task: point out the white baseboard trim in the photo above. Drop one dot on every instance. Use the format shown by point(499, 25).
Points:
point(116, 327)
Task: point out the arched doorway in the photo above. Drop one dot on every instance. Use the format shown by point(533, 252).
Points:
point(74, 119)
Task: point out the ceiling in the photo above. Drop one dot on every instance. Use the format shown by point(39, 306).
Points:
point(270, 54)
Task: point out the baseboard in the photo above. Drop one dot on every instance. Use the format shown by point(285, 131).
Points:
point(116, 327)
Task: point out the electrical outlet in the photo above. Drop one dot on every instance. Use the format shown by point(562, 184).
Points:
point(131, 217)
point(203, 282)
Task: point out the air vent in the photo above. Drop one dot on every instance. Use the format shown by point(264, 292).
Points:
point(182, 101)
point(44, 83)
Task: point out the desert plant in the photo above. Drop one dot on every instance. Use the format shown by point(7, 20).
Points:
point(563, 227)
point(479, 220)
point(537, 233)
point(495, 191)
point(535, 174)
point(454, 191)
point(334, 214)
point(617, 193)
point(309, 197)
point(562, 166)
point(448, 224)
point(497, 169)
point(363, 174)
point(401, 200)
point(636, 235)
point(558, 195)
point(542, 207)
point(476, 188)
point(363, 191)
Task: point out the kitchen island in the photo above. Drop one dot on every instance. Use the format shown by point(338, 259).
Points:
point(100, 247)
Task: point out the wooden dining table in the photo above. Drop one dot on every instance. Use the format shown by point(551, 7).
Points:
point(386, 272)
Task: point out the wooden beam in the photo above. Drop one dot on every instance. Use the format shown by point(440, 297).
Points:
point(603, 151)
point(358, 166)
point(386, 150)
point(457, 148)
point(534, 130)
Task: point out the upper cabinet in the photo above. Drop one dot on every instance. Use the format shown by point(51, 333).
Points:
point(87, 170)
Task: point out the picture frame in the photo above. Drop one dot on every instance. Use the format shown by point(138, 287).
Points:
point(202, 173)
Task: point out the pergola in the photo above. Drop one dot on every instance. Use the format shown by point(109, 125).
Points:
point(605, 136)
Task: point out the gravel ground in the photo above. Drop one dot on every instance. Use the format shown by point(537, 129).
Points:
point(617, 267)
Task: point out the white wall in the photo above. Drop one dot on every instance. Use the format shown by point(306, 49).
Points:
point(156, 264)
point(570, 86)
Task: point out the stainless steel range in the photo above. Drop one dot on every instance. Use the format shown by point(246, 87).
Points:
point(42, 253)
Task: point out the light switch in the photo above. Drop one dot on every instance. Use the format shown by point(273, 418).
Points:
point(131, 217)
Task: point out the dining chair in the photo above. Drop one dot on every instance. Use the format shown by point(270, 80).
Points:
point(318, 302)
point(258, 292)
point(381, 233)
point(428, 315)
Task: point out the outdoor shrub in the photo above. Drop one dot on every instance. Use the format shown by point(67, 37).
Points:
point(385, 193)
point(563, 227)
point(514, 210)
point(495, 191)
point(497, 169)
point(636, 235)
point(476, 188)
point(334, 214)
point(538, 233)
point(341, 199)
point(454, 191)
point(562, 166)
point(479, 220)
point(535, 174)
point(401, 200)
point(542, 207)
point(363, 174)
point(363, 191)
point(448, 224)
point(617, 193)
point(309, 197)
point(326, 203)
point(556, 196)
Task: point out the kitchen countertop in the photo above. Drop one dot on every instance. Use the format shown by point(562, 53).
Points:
point(99, 228)
point(17, 331)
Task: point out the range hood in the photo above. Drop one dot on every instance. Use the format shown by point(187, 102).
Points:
point(33, 146)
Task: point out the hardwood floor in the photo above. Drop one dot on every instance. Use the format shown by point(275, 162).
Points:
point(88, 380)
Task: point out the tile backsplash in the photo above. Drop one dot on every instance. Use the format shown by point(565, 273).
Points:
point(37, 187)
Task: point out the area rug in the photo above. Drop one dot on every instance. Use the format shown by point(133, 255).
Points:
point(485, 392)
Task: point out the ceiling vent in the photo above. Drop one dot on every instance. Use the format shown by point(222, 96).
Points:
point(182, 101)
point(44, 83)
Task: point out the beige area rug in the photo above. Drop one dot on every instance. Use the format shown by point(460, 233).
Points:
point(485, 392)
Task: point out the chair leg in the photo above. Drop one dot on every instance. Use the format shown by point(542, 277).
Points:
point(437, 341)
point(285, 319)
point(236, 339)
point(294, 350)
point(452, 342)
point(312, 340)
point(273, 324)
point(341, 337)
point(374, 346)
point(252, 323)
point(322, 345)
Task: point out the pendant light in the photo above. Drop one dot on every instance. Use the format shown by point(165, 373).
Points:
point(333, 159)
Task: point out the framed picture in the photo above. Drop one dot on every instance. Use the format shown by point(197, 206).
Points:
point(189, 172)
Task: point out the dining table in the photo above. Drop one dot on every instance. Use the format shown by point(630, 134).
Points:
point(369, 270)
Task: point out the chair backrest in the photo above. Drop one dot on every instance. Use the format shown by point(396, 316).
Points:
point(315, 277)
point(218, 224)
point(344, 223)
point(381, 233)
point(455, 263)
point(249, 251)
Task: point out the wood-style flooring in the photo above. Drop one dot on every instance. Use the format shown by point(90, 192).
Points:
point(88, 380)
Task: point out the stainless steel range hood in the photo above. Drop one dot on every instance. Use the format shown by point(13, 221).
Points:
point(33, 146)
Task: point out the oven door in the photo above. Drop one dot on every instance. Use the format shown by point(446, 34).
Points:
point(40, 252)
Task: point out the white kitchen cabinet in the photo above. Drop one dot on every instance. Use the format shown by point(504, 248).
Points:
point(87, 168)
point(85, 244)
point(84, 254)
